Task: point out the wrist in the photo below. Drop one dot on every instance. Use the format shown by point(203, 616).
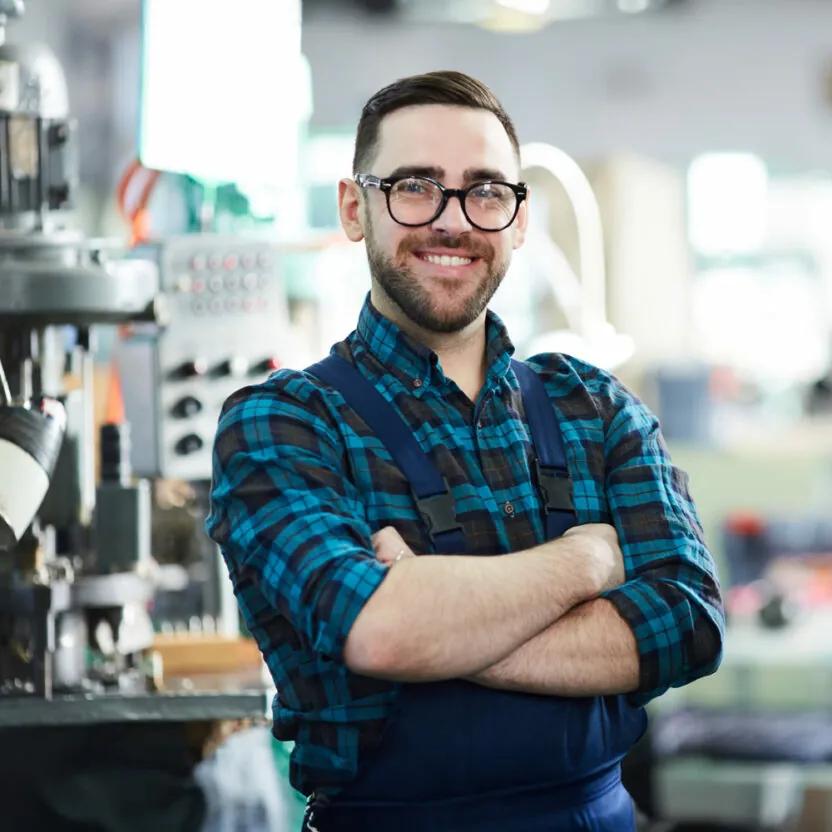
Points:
point(572, 559)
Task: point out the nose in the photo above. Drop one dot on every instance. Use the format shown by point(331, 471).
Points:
point(452, 220)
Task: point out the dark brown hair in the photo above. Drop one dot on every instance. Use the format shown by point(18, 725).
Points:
point(453, 89)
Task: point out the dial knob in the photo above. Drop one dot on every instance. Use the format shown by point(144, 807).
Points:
point(187, 407)
point(189, 444)
point(192, 369)
point(267, 365)
point(237, 366)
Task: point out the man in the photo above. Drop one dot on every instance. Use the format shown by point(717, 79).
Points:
point(497, 685)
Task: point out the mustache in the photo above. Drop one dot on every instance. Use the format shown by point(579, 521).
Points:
point(413, 242)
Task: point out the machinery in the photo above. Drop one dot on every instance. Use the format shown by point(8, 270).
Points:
point(74, 556)
point(198, 316)
point(228, 327)
point(228, 323)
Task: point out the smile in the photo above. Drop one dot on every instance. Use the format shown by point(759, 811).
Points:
point(446, 260)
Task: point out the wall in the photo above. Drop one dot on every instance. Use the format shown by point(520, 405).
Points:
point(744, 74)
point(714, 74)
point(44, 20)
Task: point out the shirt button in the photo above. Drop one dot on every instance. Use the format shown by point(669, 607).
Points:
point(417, 383)
point(508, 509)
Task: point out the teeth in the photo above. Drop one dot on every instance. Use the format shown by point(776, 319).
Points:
point(444, 260)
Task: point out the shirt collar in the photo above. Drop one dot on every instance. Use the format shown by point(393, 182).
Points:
point(417, 366)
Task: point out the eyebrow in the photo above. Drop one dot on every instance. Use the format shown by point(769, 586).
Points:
point(470, 175)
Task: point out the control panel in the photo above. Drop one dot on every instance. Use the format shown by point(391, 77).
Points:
point(228, 328)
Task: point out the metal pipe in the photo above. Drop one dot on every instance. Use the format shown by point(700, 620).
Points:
point(593, 273)
point(4, 386)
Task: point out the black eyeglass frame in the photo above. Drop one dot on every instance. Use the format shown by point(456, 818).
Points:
point(385, 185)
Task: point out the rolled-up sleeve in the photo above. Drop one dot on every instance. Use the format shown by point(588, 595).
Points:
point(671, 598)
point(285, 513)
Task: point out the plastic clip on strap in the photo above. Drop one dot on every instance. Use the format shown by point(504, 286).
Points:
point(554, 481)
point(430, 489)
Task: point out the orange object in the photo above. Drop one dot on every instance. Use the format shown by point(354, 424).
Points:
point(746, 523)
point(114, 413)
point(184, 655)
point(137, 216)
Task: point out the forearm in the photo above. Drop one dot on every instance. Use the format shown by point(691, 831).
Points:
point(590, 651)
point(440, 617)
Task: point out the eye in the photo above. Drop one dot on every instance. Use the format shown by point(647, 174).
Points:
point(491, 192)
point(415, 188)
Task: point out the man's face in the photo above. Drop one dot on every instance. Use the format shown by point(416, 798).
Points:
point(457, 147)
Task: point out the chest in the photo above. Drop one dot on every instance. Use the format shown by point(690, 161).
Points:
point(486, 456)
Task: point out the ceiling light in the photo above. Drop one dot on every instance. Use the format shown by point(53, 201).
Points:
point(527, 6)
point(633, 6)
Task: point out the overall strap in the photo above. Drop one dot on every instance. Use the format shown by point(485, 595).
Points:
point(553, 478)
point(430, 489)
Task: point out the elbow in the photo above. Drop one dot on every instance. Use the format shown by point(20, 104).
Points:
point(361, 655)
point(709, 638)
point(369, 651)
point(384, 652)
point(707, 651)
point(711, 657)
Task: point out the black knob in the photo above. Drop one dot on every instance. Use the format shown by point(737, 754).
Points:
point(58, 196)
point(192, 369)
point(236, 367)
point(189, 444)
point(778, 612)
point(187, 407)
point(267, 365)
point(58, 134)
point(114, 453)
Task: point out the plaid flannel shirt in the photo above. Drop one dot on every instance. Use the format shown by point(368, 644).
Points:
point(300, 484)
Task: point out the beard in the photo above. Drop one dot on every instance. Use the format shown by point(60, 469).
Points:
point(462, 306)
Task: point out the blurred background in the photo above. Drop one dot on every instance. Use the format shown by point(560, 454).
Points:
point(679, 154)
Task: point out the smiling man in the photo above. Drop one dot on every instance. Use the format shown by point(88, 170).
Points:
point(467, 574)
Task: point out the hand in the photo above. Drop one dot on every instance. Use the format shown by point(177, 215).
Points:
point(606, 557)
point(390, 547)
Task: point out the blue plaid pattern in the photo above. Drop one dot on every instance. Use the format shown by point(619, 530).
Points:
point(300, 484)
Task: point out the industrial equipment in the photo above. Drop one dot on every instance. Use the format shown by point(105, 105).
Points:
point(589, 334)
point(74, 556)
point(228, 327)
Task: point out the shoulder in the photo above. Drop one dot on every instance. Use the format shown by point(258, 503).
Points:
point(583, 391)
point(282, 391)
point(277, 411)
point(589, 396)
point(565, 375)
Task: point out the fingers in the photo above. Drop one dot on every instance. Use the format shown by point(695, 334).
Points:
point(389, 546)
point(390, 556)
point(388, 537)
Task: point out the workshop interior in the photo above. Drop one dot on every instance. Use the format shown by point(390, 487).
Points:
point(169, 234)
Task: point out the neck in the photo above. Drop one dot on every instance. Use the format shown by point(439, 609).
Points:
point(462, 353)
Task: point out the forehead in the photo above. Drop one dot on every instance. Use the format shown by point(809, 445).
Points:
point(454, 139)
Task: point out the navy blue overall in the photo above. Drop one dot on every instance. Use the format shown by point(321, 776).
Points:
point(458, 757)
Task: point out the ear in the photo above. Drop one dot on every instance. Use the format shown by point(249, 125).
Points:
point(521, 224)
point(349, 209)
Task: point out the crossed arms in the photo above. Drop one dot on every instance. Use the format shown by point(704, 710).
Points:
point(529, 621)
point(634, 607)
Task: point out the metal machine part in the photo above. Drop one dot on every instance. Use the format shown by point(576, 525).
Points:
point(228, 324)
point(9, 9)
point(30, 439)
point(208, 698)
point(591, 336)
point(73, 594)
point(227, 327)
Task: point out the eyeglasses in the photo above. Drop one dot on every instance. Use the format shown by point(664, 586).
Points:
point(416, 200)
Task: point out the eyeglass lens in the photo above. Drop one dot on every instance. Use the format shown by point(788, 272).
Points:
point(415, 201)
